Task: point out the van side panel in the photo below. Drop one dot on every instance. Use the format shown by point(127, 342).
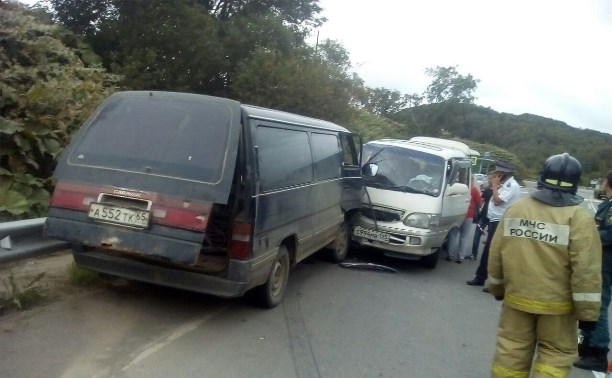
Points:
point(300, 188)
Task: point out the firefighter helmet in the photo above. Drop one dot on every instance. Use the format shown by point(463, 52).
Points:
point(561, 172)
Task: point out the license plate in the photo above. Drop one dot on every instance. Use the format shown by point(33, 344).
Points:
point(119, 215)
point(371, 234)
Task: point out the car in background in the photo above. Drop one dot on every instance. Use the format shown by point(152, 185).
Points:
point(598, 191)
point(481, 178)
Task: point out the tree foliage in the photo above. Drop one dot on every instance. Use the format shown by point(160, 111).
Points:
point(295, 82)
point(448, 85)
point(383, 101)
point(47, 88)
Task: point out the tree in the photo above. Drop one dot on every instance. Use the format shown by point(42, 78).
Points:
point(383, 101)
point(294, 82)
point(174, 46)
point(82, 16)
point(186, 45)
point(448, 84)
point(47, 89)
point(300, 15)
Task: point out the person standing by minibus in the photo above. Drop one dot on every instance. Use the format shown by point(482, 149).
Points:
point(481, 220)
point(460, 237)
point(505, 191)
point(594, 346)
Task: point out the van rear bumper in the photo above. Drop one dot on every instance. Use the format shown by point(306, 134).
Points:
point(161, 275)
point(178, 246)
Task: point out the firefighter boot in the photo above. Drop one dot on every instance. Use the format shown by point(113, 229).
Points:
point(594, 359)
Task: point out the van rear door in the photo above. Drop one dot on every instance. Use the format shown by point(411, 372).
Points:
point(174, 143)
point(165, 157)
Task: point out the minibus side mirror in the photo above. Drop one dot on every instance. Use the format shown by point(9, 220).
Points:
point(370, 169)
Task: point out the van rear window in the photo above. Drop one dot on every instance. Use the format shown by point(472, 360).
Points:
point(180, 138)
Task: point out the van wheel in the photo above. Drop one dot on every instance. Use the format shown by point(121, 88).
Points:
point(271, 293)
point(338, 249)
point(430, 261)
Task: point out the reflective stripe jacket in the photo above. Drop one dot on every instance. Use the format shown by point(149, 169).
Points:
point(547, 260)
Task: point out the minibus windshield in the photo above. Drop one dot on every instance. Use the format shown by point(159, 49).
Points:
point(404, 170)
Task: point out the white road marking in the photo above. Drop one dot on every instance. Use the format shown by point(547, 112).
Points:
point(166, 339)
point(593, 205)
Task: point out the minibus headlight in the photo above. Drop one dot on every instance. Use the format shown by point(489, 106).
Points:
point(422, 220)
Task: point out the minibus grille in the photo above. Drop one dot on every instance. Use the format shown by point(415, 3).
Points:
point(381, 215)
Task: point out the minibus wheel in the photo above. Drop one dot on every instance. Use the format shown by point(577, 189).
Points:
point(430, 261)
point(338, 249)
point(271, 293)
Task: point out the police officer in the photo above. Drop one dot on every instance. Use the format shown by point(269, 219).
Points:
point(545, 264)
point(505, 190)
point(593, 349)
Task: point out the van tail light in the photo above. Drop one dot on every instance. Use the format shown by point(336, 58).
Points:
point(241, 240)
point(165, 210)
point(180, 218)
point(73, 196)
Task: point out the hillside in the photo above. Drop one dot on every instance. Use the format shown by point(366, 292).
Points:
point(530, 137)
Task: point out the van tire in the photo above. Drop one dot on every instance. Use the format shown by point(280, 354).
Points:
point(336, 252)
point(430, 261)
point(271, 294)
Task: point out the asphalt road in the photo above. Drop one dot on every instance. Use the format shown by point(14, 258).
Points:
point(334, 323)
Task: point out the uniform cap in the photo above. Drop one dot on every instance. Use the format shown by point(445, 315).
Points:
point(502, 166)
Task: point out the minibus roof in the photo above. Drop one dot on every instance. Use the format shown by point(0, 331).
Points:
point(436, 149)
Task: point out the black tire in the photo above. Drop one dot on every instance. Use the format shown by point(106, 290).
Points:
point(271, 294)
point(336, 252)
point(430, 261)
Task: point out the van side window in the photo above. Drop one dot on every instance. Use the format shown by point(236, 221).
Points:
point(284, 157)
point(462, 176)
point(327, 156)
point(349, 153)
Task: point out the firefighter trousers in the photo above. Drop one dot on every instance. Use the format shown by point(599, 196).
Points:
point(521, 334)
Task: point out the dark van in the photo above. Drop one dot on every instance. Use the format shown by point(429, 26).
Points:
point(204, 193)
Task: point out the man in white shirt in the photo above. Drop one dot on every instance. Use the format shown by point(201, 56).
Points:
point(505, 191)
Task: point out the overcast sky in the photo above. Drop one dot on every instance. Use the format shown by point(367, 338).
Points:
point(551, 58)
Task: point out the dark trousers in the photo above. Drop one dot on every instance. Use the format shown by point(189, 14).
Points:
point(476, 241)
point(481, 272)
point(600, 336)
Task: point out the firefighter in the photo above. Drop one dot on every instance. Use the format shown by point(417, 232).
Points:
point(593, 348)
point(545, 264)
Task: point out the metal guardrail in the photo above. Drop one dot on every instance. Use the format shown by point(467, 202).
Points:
point(24, 239)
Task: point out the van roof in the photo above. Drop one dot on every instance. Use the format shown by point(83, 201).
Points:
point(252, 111)
point(448, 144)
point(426, 146)
point(257, 112)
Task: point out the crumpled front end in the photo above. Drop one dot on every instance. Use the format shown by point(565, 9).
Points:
point(382, 228)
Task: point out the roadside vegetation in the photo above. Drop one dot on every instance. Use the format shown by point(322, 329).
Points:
point(60, 59)
point(82, 277)
point(22, 296)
